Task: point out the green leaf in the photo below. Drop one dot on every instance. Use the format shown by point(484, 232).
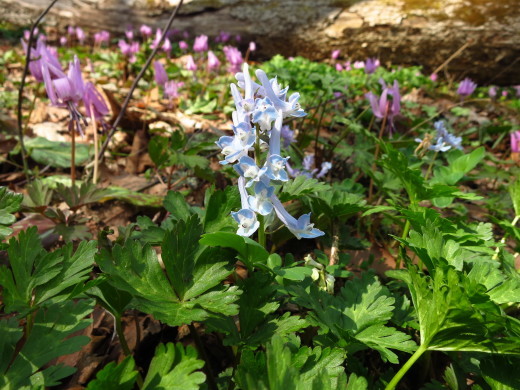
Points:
point(174, 368)
point(39, 194)
point(56, 154)
point(456, 314)
point(356, 318)
point(514, 191)
point(250, 252)
point(301, 185)
point(133, 197)
point(121, 376)
point(50, 338)
point(36, 276)
point(114, 300)
point(176, 205)
point(191, 288)
point(9, 203)
point(500, 288)
point(497, 372)
point(219, 205)
point(460, 166)
point(289, 367)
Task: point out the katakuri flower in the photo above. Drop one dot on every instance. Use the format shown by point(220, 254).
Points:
point(213, 61)
point(466, 87)
point(190, 63)
point(200, 44)
point(515, 141)
point(146, 31)
point(161, 77)
point(371, 64)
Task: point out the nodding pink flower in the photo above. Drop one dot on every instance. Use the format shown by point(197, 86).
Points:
point(129, 34)
point(63, 41)
point(238, 38)
point(161, 77)
point(71, 31)
point(252, 46)
point(95, 104)
point(183, 45)
point(359, 65)
point(213, 62)
point(158, 36)
point(200, 44)
point(167, 46)
point(434, 77)
point(347, 65)
point(383, 108)
point(80, 34)
point(129, 50)
point(190, 63)
point(146, 31)
point(505, 93)
point(335, 54)
point(102, 36)
point(515, 141)
point(38, 55)
point(171, 89)
point(27, 33)
point(223, 37)
point(371, 64)
point(492, 92)
point(466, 87)
point(234, 57)
point(339, 68)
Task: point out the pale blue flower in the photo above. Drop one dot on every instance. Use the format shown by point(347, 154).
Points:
point(301, 227)
point(247, 168)
point(260, 201)
point(264, 114)
point(275, 165)
point(237, 146)
point(247, 222)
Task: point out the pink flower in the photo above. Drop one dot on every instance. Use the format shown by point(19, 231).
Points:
point(63, 89)
point(129, 34)
point(234, 57)
point(515, 141)
point(80, 34)
point(359, 65)
point(200, 44)
point(190, 63)
point(146, 31)
point(335, 54)
point(161, 77)
point(252, 46)
point(213, 62)
point(339, 68)
point(63, 41)
point(93, 99)
point(434, 77)
point(167, 46)
point(183, 45)
point(466, 87)
point(171, 89)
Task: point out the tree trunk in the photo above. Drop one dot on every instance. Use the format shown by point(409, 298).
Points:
point(408, 32)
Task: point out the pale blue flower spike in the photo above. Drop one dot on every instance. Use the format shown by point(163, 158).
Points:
point(275, 137)
point(276, 168)
point(264, 114)
point(247, 168)
point(301, 227)
point(247, 222)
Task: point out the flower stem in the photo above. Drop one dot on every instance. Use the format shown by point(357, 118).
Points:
point(212, 383)
point(73, 157)
point(121, 336)
point(261, 230)
point(404, 369)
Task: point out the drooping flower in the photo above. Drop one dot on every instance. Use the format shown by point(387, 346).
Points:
point(213, 61)
point(301, 227)
point(339, 68)
point(252, 46)
point(371, 64)
point(41, 54)
point(466, 87)
point(95, 105)
point(101, 37)
point(234, 58)
point(260, 202)
point(492, 92)
point(190, 63)
point(515, 141)
point(434, 77)
point(80, 34)
point(223, 37)
point(183, 45)
point(146, 31)
point(382, 107)
point(167, 46)
point(171, 89)
point(129, 50)
point(200, 44)
point(71, 31)
point(335, 54)
point(129, 33)
point(161, 77)
point(63, 41)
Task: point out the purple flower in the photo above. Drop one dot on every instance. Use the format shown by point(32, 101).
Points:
point(161, 77)
point(63, 41)
point(335, 54)
point(213, 62)
point(433, 77)
point(190, 63)
point(515, 141)
point(223, 37)
point(80, 34)
point(492, 92)
point(287, 135)
point(146, 31)
point(371, 64)
point(157, 39)
point(171, 89)
point(129, 50)
point(382, 107)
point(95, 105)
point(27, 33)
point(183, 45)
point(234, 57)
point(100, 37)
point(39, 55)
point(167, 46)
point(466, 87)
point(200, 44)
point(129, 34)
point(62, 88)
point(71, 31)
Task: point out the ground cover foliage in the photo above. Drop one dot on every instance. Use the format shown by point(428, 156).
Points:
point(361, 235)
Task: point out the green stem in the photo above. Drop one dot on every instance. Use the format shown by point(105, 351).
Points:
point(212, 383)
point(404, 369)
point(430, 167)
point(121, 336)
point(261, 230)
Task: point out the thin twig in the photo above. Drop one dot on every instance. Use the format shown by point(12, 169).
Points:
point(22, 85)
point(450, 58)
point(134, 84)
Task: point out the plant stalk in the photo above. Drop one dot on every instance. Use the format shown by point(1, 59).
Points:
point(121, 336)
point(404, 369)
point(212, 384)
